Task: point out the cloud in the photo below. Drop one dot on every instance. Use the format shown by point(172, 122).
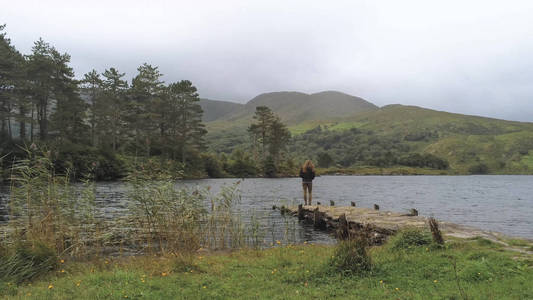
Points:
point(471, 57)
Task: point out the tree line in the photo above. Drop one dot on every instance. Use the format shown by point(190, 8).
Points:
point(42, 103)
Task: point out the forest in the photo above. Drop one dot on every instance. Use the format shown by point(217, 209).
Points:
point(103, 125)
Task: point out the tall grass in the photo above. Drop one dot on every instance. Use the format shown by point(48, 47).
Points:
point(166, 219)
point(46, 209)
point(225, 227)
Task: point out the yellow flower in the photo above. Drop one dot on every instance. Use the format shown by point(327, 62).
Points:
point(305, 242)
point(435, 281)
point(427, 249)
point(106, 262)
point(62, 261)
point(78, 283)
point(50, 286)
point(204, 287)
point(165, 274)
point(28, 294)
point(397, 289)
point(278, 242)
point(62, 271)
point(381, 281)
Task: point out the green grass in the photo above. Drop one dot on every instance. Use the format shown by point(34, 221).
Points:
point(484, 271)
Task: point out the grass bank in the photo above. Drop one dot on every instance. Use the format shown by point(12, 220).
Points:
point(462, 269)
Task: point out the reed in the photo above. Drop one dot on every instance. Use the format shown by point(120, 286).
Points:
point(45, 208)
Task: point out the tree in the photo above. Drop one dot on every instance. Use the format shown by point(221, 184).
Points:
point(271, 134)
point(324, 159)
point(67, 119)
point(260, 129)
point(110, 111)
point(11, 64)
point(183, 120)
point(92, 86)
point(40, 74)
point(278, 137)
point(143, 113)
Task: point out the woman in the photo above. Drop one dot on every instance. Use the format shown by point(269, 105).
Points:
point(307, 172)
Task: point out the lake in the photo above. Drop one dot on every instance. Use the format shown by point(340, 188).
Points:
point(497, 203)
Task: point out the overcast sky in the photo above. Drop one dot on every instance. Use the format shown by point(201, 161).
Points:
point(472, 57)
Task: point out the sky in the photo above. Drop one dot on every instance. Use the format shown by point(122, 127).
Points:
point(471, 57)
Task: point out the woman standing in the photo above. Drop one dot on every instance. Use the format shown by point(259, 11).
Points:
point(307, 172)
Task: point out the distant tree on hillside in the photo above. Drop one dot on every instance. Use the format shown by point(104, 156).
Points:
point(260, 129)
point(324, 160)
point(271, 136)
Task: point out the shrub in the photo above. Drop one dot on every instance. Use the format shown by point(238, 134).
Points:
point(480, 168)
point(212, 166)
point(269, 167)
point(324, 160)
point(184, 262)
point(26, 261)
point(242, 168)
point(351, 257)
point(435, 231)
point(409, 238)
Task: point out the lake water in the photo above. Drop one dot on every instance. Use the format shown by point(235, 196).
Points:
point(497, 203)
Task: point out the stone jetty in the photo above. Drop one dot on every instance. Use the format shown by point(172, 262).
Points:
point(380, 223)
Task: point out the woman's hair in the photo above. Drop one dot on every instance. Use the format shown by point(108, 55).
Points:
point(308, 165)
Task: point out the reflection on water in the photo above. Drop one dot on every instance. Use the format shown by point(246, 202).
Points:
point(498, 203)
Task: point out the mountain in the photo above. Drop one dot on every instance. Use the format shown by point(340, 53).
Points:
point(216, 109)
point(295, 107)
point(465, 141)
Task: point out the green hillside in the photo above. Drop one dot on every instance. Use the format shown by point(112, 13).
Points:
point(294, 109)
point(354, 132)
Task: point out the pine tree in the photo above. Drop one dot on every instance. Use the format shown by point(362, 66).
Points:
point(278, 138)
point(11, 64)
point(92, 86)
point(67, 119)
point(260, 129)
point(145, 94)
point(110, 111)
point(185, 128)
point(272, 135)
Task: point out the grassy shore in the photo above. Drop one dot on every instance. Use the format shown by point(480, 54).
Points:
point(370, 170)
point(483, 270)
